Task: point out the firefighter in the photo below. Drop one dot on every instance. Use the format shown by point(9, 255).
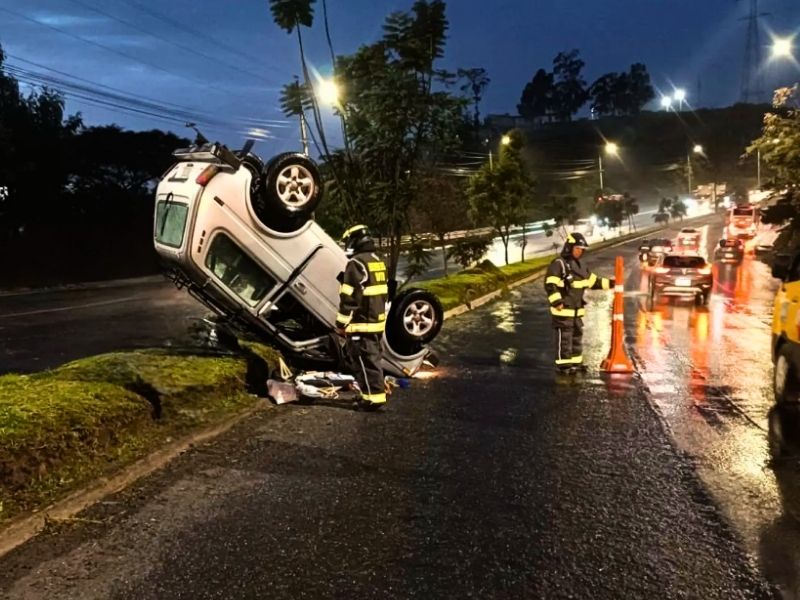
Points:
point(362, 314)
point(565, 283)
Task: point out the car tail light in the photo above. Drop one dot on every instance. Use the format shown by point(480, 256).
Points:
point(661, 270)
point(705, 271)
point(207, 175)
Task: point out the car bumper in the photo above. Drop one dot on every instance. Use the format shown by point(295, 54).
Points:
point(671, 287)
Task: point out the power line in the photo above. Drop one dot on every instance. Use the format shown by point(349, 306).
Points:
point(110, 49)
point(167, 40)
point(159, 16)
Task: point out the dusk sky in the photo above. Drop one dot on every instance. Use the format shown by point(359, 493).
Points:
point(230, 80)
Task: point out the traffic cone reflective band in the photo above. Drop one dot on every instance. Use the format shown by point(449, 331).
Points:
point(618, 361)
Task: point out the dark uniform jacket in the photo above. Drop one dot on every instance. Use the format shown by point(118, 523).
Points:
point(363, 294)
point(565, 283)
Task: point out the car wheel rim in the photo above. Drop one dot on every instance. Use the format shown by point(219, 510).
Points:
point(419, 318)
point(781, 375)
point(295, 186)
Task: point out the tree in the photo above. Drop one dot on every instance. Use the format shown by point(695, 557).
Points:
point(663, 215)
point(538, 97)
point(419, 259)
point(639, 89)
point(631, 209)
point(678, 208)
point(780, 138)
point(564, 210)
point(399, 122)
point(610, 212)
point(622, 93)
point(475, 81)
point(569, 86)
point(499, 195)
point(468, 252)
point(442, 209)
point(603, 94)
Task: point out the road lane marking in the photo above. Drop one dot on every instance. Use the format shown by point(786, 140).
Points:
point(74, 307)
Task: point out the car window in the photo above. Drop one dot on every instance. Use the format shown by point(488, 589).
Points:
point(170, 222)
point(237, 271)
point(684, 262)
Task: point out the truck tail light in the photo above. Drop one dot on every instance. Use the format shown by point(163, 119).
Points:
point(207, 175)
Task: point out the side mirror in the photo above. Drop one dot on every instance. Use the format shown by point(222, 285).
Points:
point(780, 266)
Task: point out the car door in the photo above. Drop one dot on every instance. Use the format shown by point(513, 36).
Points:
point(790, 302)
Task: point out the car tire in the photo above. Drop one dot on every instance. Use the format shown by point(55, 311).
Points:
point(784, 378)
point(289, 192)
point(783, 433)
point(414, 320)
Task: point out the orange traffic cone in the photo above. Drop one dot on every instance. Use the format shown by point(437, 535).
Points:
point(618, 361)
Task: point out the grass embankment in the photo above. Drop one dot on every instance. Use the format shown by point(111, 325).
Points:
point(485, 278)
point(61, 429)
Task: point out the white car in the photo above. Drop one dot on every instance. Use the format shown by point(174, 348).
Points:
point(239, 235)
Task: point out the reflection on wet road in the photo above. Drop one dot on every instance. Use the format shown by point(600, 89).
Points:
point(708, 371)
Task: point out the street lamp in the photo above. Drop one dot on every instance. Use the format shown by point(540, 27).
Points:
point(328, 92)
point(666, 102)
point(783, 48)
point(611, 149)
point(505, 140)
point(680, 96)
point(697, 149)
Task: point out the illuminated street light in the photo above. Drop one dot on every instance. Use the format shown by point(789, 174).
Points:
point(698, 149)
point(505, 140)
point(783, 48)
point(680, 96)
point(612, 149)
point(666, 102)
point(328, 92)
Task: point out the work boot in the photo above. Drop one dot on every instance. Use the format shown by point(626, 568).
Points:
point(581, 368)
point(566, 370)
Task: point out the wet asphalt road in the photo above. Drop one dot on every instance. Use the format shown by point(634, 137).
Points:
point(493, 479)
point(42, 330)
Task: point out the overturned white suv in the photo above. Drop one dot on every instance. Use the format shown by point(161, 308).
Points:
point(239, 235)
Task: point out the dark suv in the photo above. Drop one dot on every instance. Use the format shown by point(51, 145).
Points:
point(730, 251)
point(682, 275)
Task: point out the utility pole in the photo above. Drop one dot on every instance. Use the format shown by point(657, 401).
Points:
point(689, 171)
point(491, 161)
point(758, 157)
point(600, 171)
point(752, 81)
point(304, 133)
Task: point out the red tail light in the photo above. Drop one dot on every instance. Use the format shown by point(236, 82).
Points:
point(705, 271)
point(207, 175)
point(661, 270)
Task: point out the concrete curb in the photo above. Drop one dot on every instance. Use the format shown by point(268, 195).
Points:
point(24, 527)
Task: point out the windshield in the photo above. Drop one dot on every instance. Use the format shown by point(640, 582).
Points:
point(684, 262)
point(171, 222)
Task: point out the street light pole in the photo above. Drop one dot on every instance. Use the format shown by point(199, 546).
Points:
point(758, 154)
point(304, 133)
point(689, 171)
point(491, 161)
point(600, 171)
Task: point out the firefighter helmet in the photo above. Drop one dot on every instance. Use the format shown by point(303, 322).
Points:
point(574, 240)
point(355, 237)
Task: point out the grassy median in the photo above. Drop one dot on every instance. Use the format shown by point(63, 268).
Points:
point(63, 428)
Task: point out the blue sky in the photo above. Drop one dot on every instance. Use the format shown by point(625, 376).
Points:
point(226, 61)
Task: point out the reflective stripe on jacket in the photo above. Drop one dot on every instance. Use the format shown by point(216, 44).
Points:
point(363, 294)
point(566, 281)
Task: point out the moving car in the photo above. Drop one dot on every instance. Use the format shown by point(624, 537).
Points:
point(239, 235)
point(729, 251)
point(743, 221)
point(682, 275)
point(658, 249)
point(644, 250)
point(786, 330)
